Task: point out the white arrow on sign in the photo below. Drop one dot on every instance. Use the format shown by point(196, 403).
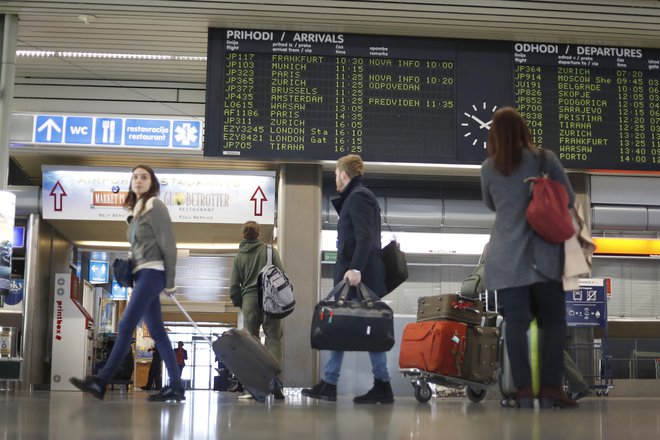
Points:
point(49, 126)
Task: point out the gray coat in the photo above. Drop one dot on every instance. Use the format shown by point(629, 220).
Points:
point(152, 239)
point(516, 255)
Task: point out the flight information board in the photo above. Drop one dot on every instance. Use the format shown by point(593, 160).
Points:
point(597, 107)
point(291, 96)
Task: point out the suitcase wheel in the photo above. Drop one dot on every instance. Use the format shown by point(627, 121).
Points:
point(476, 395)
point(423, 392)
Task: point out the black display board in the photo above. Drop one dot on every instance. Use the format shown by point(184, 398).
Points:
point(284, 95)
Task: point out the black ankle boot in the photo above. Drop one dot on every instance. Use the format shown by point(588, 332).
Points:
point(94, 386)
point(381, 392)
point(322, 390)
point(167, 394)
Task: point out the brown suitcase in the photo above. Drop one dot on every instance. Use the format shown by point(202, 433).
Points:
point(437, 346)
point(481, 354)
point(449, 306)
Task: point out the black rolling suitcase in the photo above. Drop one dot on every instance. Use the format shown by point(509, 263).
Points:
point(251, 362)
point(246, 357)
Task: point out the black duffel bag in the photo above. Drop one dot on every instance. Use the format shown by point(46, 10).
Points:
point(362, 324)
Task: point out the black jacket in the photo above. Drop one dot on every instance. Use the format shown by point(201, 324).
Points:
point(358, 236)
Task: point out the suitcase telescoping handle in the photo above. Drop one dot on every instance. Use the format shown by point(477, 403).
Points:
point(190, 319)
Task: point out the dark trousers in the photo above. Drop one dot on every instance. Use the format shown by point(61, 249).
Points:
point(145, 304)
point(155, 378)
point(546, 302)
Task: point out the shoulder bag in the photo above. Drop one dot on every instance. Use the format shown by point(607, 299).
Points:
point(396, 265)
point(547, 212)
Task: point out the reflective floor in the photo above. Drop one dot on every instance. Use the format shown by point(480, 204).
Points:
point(213, 415)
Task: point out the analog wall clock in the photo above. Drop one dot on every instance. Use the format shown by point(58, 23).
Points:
point(475, 123)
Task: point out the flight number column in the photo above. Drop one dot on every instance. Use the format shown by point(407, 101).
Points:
point(529, 98)
point(240, 126)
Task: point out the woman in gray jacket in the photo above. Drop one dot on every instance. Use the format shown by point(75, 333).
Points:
point(153, 254)
point(525, 270)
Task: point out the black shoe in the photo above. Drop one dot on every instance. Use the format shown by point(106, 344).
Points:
point(146, 388)
point(381, 392)
point(94, 386)
point(322, 390)
point(525, 397)
point(555, 397)
point(168, 393)
point(278, 394)
point(580, 394)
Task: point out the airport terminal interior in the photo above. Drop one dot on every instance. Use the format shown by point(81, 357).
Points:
point(242, 108)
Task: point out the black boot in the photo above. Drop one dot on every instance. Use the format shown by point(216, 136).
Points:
point(381, 392)
point(167, 394)
point(94, 386)
point(322, 390)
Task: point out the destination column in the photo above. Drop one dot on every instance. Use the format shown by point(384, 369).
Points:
point(581, 110)
point(298, 106)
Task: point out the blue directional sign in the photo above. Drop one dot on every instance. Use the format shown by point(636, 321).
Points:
point(108, 131)
point(148, 132)
point(587, 307)
point(79, 130)
point(186, 134)
point(49, 129)
point(98, 272)
point(19, 237)
point(118, 292)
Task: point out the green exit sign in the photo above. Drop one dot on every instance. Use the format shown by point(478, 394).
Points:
point(329, 257)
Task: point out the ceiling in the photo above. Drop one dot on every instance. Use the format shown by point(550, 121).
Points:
point(178, 28)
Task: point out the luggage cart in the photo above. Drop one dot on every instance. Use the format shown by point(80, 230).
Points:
point(587, 307)
point(596, 363)
point(421, 381)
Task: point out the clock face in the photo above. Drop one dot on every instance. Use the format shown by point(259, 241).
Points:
point(475, 123)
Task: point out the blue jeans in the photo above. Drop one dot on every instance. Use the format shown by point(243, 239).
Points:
point(378, 366)
point(145, 304)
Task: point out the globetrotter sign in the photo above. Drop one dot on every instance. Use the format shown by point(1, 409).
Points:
point(80, 193)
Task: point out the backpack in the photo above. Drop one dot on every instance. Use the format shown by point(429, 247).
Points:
point(275, 289)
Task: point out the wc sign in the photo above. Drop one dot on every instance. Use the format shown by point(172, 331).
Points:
point(113, 131)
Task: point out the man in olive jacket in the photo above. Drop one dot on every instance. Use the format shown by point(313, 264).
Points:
point(358, 260)
point(244, 290)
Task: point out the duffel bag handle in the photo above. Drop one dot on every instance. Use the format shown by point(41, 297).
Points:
point(368, 295)
point(339, 292)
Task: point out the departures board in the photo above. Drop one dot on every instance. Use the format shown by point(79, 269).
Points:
point(296, 96)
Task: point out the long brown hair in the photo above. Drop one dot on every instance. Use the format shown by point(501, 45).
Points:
point(154, 189)
point(508, 136)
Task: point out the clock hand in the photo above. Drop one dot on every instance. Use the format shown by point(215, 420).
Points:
point(482, 124)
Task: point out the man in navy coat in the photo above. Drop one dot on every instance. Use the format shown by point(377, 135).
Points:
point(358, 260)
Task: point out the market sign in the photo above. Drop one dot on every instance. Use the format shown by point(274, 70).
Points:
point(191, 196)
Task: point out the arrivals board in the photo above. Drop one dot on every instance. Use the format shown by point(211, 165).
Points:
point(292, 96)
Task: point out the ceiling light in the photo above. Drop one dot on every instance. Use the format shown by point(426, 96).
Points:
point(131, 56)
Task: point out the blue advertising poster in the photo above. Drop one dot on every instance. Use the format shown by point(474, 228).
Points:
point(98, 272)
point(587, 307)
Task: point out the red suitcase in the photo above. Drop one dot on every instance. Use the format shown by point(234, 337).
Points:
point(434, 346)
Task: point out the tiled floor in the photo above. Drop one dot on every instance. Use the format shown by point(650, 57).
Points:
point(213, 415)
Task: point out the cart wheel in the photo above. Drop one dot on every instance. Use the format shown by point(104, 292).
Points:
point(423, 392)
point(606, 392)
point(476, 395)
